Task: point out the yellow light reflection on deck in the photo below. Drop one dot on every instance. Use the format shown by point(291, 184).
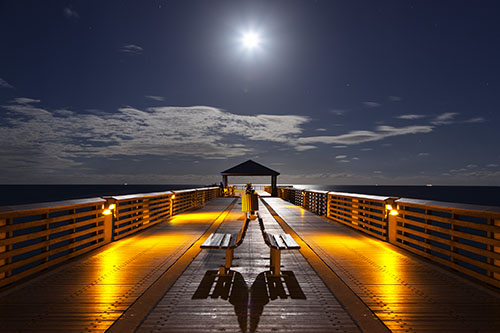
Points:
point(196, 217)
point(108, 289)
point(385, 270)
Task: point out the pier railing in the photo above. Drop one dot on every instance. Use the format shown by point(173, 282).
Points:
point(465, 238)
point(38, 236)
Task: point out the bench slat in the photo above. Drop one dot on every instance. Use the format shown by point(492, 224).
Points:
point(225, 241)
point(271, 240)
point(208, 241)
point(217, 239)
point(279, 242)
point(232, 243)
point(290, 242)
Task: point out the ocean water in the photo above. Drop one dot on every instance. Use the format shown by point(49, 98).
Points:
point(477, 195)
point(25, 194)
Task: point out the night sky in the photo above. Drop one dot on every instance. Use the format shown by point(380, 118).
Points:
point(334, 92)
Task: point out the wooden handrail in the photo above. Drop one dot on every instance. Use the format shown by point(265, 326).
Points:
point(463, 237)
point(38, 236)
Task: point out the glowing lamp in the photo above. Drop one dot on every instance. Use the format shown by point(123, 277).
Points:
point(388, 207)
point(106, 212)
point(173, 196)
point(112, 206)
point(394, 212)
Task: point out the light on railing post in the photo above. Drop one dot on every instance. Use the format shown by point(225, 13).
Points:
point(391, 213)
point(172, 205)
point(109, 213)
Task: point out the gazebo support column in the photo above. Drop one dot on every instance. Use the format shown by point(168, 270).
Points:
point(274, 189)
point(224, 181)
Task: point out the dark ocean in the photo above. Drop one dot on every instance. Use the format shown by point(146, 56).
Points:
point(25, 194)
point(477, 195)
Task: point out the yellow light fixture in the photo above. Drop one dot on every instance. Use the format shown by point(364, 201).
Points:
point(112, 206)
point(173, 196)
point(394, 212)
point(106, 212)
point(388, 207)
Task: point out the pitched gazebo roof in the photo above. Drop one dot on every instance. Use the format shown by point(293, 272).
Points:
point(249, 168)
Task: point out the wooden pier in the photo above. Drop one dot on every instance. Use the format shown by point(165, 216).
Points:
point(159, 280)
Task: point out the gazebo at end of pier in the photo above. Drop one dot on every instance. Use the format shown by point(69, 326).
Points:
point(252, 168)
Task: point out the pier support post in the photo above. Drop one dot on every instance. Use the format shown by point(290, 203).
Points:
point(274, 189)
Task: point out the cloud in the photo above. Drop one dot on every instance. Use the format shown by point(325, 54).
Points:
point(70, 13)
point(366, 149)
point(62, 138)
point(411, 116)
point(423, 154)
point(305, 147)
point(155, 98)
point(357, 137)
point(339, 147)
point(321, 129)
point(5, 84)
point(25, 100)
point(131, 49)
point(395, 98)
point(475, 120)
point(338, 112)
point(471, 166)
point(371, 104)
point(492, 165)
point(340, 157)
point(445, 118)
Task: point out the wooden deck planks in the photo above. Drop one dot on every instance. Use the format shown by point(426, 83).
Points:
point(406, 293)
point(90, 293)
point(250, 300)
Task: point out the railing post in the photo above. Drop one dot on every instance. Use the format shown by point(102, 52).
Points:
point(145, 211)
point(172, 204)
point(392, 223)
point(3, 249)
point(327, 213)
point(496, 249)
point(354, 211)
point(109, 213)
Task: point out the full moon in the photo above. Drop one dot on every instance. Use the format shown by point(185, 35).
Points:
point(250, 40)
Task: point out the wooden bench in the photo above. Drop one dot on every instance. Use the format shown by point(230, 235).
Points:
point(227, 242)
point(277, 243)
